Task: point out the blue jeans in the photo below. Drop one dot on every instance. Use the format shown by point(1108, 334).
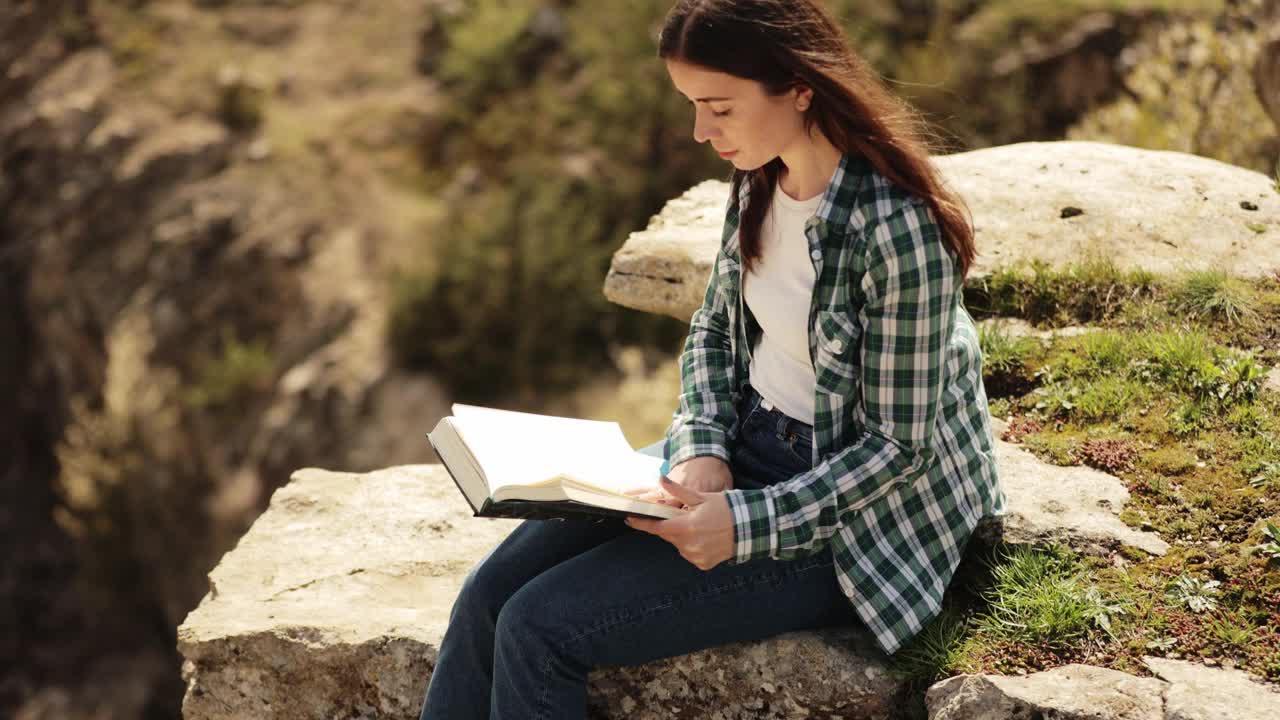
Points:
point(559, 598)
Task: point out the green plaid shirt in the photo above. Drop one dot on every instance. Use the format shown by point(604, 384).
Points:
point(903, 457)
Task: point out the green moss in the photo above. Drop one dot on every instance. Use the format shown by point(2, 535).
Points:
point(1055, 447)
point(1170, 460)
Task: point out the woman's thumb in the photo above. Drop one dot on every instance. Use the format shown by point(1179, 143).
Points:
point(688, 496)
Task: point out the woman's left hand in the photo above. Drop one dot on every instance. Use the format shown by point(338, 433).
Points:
point(704, 536)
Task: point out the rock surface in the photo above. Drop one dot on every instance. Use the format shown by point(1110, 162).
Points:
point(314, 615)
point(1076, 506)
point(1182, 691)
point(277, 634)
point(1159, 210)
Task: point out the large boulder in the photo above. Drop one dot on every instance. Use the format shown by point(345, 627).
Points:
point(314, 614)
point(335, 601)
point(1059, 202)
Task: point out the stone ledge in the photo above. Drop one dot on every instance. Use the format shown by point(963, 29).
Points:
point(334, 603)
point(1159, 210)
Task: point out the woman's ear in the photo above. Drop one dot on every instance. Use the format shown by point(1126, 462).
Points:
point(803, 97)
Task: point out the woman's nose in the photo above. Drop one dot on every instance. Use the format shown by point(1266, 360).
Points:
point(702, 130)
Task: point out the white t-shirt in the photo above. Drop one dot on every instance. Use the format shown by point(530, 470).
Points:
point(778, 292)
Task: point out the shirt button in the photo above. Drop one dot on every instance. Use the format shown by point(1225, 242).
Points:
point(817, 254)
point(837, 345)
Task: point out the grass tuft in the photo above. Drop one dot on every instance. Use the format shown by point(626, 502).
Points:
point(1038, 597)
point(1215, 294)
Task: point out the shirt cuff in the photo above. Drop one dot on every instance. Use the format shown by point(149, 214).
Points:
point(755, 535)
point(696, 442)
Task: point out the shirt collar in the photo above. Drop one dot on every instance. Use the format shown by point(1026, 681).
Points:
point(841, 196)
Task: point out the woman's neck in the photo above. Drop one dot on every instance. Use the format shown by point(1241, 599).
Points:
point(807, 170)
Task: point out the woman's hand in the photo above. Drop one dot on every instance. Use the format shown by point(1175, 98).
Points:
point(705, 473)
point(704, 535)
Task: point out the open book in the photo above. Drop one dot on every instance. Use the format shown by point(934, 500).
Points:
point(523, 465)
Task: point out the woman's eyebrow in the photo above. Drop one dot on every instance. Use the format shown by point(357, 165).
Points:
point(709, 99)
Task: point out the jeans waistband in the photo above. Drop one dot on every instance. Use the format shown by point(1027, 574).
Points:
point(753, 399)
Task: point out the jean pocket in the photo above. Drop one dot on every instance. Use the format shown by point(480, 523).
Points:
point(799, 447)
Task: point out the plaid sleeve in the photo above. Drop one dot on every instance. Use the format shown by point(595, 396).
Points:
point(910, 286)
point(704, 420)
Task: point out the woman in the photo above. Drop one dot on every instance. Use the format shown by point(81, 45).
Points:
point(832, 442)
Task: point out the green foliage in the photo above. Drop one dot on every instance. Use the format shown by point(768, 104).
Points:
point(1176, 79)
point(1188, 362)
point(518, 303)
point(1231, 631)
point(1002, 351)
point(1006, 359)
point(1091, 290)
point(1269, 476)
point(1214, 293)
point(1271, 549)
point(242, 367)
point(1198, 595)
point(937, 650)
point(1040, 597)
point(569, 124)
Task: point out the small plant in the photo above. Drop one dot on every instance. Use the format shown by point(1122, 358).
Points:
point(1036, 597)
point(1057, 400)
point(1271, 549)
point(937, 650)
point(1109, 455)
point(242, 367)
point(1198, 595)
point(1102, 611)
point(1019, 427)
point(1215, 294)
point(1230, 632)
point(1268, 476)
point(1004, 359)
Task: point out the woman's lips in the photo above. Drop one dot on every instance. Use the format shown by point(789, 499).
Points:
point(728, 154)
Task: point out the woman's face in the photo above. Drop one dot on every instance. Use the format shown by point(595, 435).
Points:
point(737, 116)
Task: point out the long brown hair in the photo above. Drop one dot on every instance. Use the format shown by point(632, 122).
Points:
point(785, 43)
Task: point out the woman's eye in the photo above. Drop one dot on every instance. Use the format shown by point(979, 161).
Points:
point(721, 114)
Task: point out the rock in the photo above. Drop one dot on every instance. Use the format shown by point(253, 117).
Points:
point(664, 269)
point(277, 623)
point(1017, 327)
point(1076, 506)
point(189, 149)
point(1070, 692)
point(1182, 691)
point(1161, 211)
point(1272, 381)
point(312, 615)
point(1197, 692)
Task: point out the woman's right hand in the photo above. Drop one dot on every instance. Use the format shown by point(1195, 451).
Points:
point(705, 473)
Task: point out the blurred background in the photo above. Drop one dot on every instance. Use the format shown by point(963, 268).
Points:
point(242, 237)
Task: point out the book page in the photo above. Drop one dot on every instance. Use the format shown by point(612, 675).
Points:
point(529, 449)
